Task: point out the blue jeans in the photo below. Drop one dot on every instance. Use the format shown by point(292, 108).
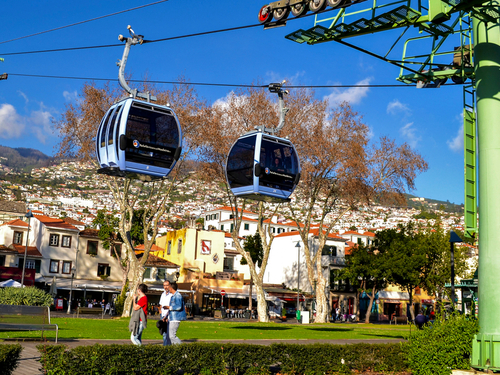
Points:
point(172, 331)
point(166, 336)
point(136, 339)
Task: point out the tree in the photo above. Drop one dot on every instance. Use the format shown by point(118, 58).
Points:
point(366, 268)
point(107, 224)
point(406, 258)
point(341, 170)
point(77, 128)
point(225, 122)
point(438, 268)
point(253, 246)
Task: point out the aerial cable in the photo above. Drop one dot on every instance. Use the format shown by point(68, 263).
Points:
point(215, 84)
point(155, 40)
point(81, 22)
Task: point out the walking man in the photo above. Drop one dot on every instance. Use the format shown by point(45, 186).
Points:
point(164, 304)
point(177, 313)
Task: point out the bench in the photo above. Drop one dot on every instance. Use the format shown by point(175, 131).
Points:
point(90, 310)
point(399, 319)
point(26, 318)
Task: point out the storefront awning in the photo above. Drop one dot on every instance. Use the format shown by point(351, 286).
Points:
point(393, 295)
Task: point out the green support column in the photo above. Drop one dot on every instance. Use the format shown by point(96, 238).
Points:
point(486, 345)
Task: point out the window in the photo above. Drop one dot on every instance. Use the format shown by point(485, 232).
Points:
point(360, 241)
point(147, 273)
point(116, 249)
point(216, 216)
point(229, 263)
point(169, 247)
point(2, 260)
point(32, 264)
point(179, 247)
point(66, 267)
point(92, 247)
point(18, 238)
point(247, 226)
point(54, 266)
point(66, 241)
point(232, 227)
point(222, 227)
point(162, 274)
point(103, 269)
point(330, 250)
point(54, 240)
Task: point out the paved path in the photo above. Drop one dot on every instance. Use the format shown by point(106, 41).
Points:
point(30, 365)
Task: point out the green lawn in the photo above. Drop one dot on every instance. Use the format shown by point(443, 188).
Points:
point(116, 329)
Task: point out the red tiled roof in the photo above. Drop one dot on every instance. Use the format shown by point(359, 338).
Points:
point(352, 232)
point(90, 232)
point(154, 261)
point(288, 234)
point(369, 234)
point(153, 248)
point(73, 221)
point(17, 223)
point(32, 250)
point(348, 248)
point(315, 232)
point(55, 223)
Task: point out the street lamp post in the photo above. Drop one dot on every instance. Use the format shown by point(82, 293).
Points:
point(29, 215)
point(73, 270)
point(453, 238)
point(298, 273)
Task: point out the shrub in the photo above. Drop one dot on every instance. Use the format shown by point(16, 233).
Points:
point(30, 296)
point(9, 358)
point(443, 346)
point(212, 358)
point(120, 300)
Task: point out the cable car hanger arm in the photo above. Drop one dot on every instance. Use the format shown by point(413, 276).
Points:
point(277, 88)
point(134, 39)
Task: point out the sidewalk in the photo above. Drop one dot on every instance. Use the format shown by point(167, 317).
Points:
point(29, 362)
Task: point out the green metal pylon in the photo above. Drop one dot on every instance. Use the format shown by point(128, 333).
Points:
point(486, 344)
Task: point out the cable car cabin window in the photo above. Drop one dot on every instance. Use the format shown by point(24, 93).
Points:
point(114, 123)
point(152, 137)
point(279, 164)
point(105, 128)
point(240, 163)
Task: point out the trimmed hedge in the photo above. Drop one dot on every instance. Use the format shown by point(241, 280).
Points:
point(9, 358)
point(211, 359)
point(30, 296)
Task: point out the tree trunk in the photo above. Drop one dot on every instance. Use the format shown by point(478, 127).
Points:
point(261, 304)
point(321, 300)
point(370, 305)
point(250, 294)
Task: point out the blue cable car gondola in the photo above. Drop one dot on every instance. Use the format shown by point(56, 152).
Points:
point(262, 167)
point(137, 139)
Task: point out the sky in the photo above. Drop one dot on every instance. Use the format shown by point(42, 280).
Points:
point(429, 120)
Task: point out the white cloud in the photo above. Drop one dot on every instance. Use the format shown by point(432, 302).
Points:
point(457, 144)
point(11, 124)
point(396, 107)
point(25, 97)
point(70, 96)
point(410, 134)
point(352, 95)
point(40, 124)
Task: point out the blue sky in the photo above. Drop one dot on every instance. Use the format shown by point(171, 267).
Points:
point(429, 120)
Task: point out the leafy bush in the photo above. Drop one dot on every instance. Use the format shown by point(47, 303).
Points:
point(9, 358)
point(212, 358)
point(120, 300)
point(443, 346)
point(30, 296)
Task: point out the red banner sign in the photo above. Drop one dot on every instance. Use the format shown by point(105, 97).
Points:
point(15, 273)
